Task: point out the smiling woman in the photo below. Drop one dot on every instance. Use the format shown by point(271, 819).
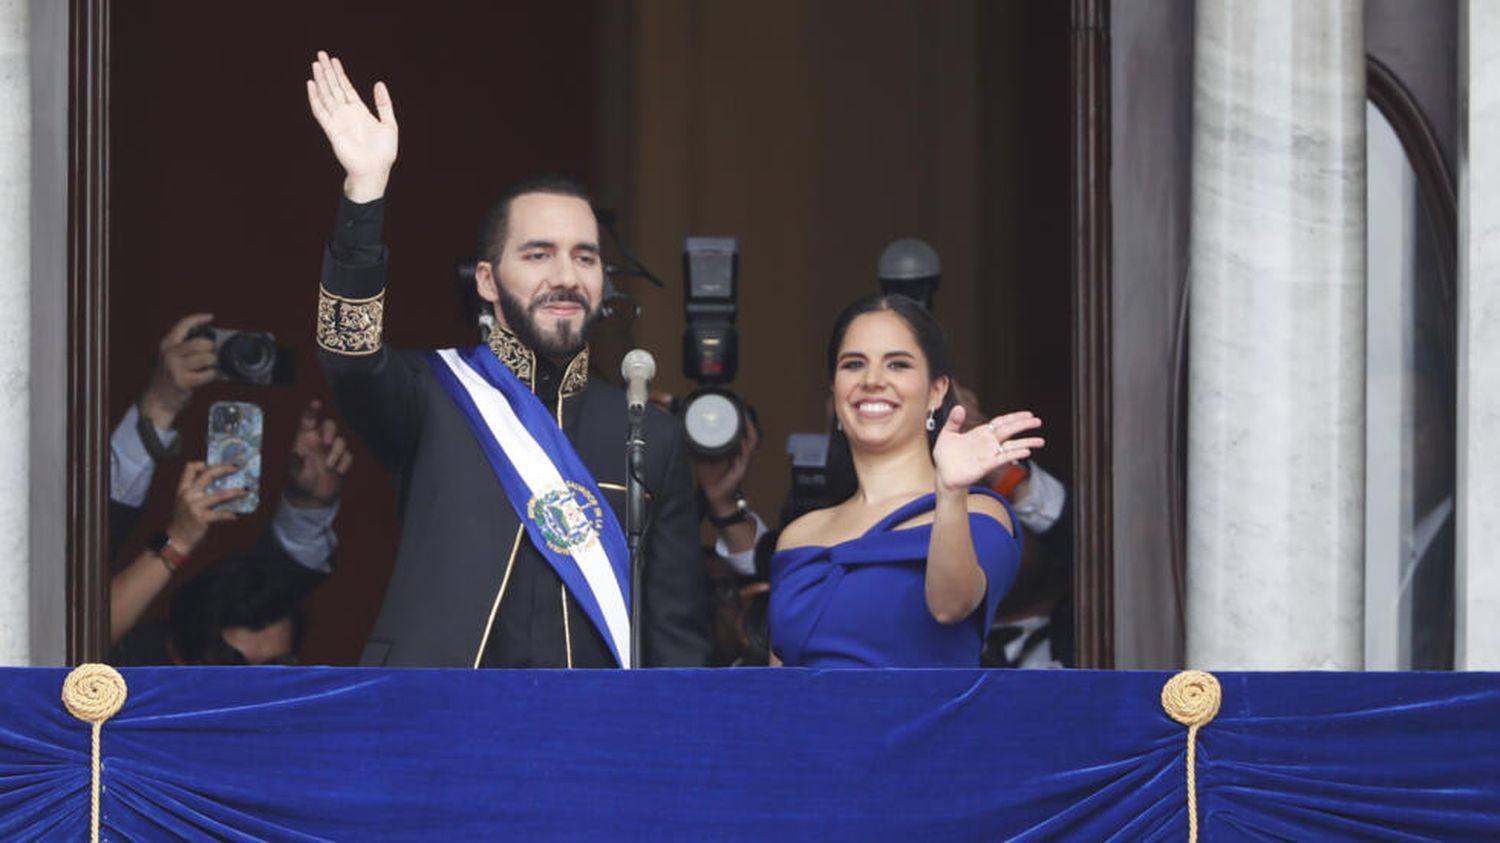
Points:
point(909, 570)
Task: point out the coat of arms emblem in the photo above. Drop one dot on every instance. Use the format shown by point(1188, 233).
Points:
point(568, 517)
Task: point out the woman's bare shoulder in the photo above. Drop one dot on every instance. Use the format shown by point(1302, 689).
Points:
point(805, 530)
point(980, 504)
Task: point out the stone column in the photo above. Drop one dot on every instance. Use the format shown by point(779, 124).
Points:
point(1276, 375)
point(1477, 582)
point(15, 332)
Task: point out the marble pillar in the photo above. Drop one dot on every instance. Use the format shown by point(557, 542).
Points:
point(48, 371)
point(15, 333)
point(1477, 581)
point(1276, 374)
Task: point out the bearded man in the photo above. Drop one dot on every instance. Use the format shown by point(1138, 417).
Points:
point(508, 457)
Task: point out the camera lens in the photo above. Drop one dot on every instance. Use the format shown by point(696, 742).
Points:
point(248, 356)
point(713, 423)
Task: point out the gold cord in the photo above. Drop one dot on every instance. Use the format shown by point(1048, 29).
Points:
point(1192, 698)
point(94, 693)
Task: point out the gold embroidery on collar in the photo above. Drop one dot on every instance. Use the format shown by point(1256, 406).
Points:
point(576, 376)
point(521, 360)
point(516, 355)
point(350, 326)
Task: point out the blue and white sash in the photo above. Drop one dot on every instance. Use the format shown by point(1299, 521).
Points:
point(552, 491)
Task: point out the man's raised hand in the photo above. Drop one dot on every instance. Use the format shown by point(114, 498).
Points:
point(363, 142)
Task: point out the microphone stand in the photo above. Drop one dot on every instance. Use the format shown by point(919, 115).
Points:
point(635, 521)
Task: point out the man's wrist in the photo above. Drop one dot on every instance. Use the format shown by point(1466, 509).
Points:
point(365, 188)
point(1013, 480)
point(172, 550)
point(161, 412)
point(723, 514)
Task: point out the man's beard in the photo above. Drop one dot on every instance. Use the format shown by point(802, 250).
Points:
point(559, 343)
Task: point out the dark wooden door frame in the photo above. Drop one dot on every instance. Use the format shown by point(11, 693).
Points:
point(88, 325)
point(1089, 273)
point(88, 331)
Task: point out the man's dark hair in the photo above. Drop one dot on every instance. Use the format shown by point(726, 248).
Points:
point(494, 226)
point(248, 591)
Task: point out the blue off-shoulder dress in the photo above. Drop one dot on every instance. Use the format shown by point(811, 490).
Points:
point(863, 603)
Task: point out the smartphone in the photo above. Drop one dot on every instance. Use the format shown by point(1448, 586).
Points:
point(234, 433)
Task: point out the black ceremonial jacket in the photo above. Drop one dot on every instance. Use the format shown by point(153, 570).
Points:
point(469, 588)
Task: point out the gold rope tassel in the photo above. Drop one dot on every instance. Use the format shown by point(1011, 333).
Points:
point(94, 693)
point(1192, 698)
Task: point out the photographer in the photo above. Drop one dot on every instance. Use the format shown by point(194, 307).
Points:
point(146, 435)
point(725, 507)
point(738, 581)
point(300, 536)
point(250, 606)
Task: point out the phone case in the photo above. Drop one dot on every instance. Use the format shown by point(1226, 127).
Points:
point(234, 435)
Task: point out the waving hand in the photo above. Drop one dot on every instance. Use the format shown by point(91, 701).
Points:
point(965, 458)
point(363, 142)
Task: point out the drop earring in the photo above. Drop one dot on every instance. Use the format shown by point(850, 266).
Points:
point(932, 420)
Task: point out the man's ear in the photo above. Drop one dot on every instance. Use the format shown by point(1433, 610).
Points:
point(485, 282)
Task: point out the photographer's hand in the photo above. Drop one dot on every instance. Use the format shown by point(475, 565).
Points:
point(320, 460)
point(194, 512)
point(182, 365)
point(134, 587)
point(721, 480)
point(363, 143)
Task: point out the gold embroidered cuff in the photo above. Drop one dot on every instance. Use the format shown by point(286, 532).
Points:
point(350, 326)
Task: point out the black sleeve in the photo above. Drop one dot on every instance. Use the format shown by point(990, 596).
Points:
point(301, 578)
point(676, 610)
point(378, 392)
point(356, 242)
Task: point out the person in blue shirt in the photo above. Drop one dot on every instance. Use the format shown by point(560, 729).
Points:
point(908, 571)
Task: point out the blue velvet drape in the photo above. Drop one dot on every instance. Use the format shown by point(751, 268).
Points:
point(349, 754)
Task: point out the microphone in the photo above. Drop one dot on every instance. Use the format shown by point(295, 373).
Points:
point(911, 268)
point(638, 368)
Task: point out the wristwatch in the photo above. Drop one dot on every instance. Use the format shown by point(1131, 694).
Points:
point(1014, 474)
point(741, 513)
point(161, 545)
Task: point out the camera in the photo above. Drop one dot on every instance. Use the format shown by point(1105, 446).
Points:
point(248, 356)
point(713, 417)
point(822, 474)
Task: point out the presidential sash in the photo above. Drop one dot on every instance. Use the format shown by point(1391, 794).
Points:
point(548, 485)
